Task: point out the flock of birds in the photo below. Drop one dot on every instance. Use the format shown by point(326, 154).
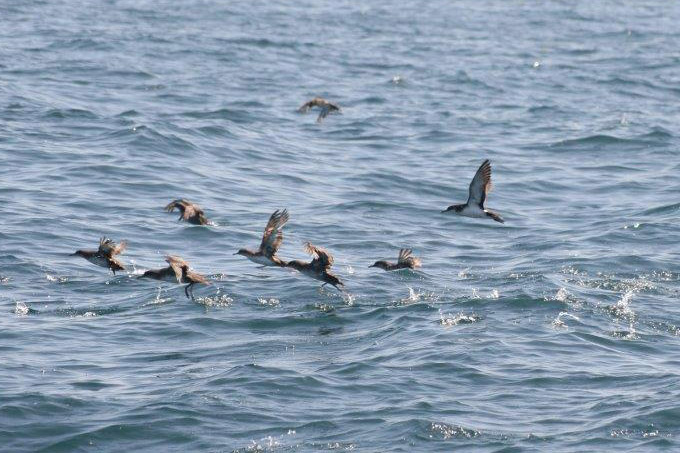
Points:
point(318, 268)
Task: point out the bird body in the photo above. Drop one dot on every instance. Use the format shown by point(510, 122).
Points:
point(177, 271)
point(325, 106)
point(189, 212)
point(319, 267)
point(105, 255)
point(271, 242)
point(166, 274)
point(406, 261)
point(477, 192)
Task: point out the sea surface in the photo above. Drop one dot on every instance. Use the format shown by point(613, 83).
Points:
point(556, 331)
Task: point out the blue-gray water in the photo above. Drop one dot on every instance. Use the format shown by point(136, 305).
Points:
point(557, 331)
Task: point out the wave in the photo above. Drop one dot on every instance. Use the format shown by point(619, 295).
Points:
point(237, 116)
point(597, 141)
point(70, 114)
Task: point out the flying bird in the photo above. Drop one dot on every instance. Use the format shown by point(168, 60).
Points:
point(479, 189)
point(189, 212)
point(325, 106)
point(406, 261)
point(319, 266)
point(178, 270)
point(271, 241)
point(105, 256)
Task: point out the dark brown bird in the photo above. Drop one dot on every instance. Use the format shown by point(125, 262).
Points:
point(105, 256)
point(178, 270)
point(325, 106)
point(189, 212)
point(477, 192)
point(406, 261)
point(271, 241)
point(319, 266)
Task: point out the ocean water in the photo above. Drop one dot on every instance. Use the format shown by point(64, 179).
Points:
point(557, 331)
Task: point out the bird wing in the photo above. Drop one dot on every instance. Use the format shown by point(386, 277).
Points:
point(273, 236)
point(197, 278)
point(108, 247)
point(306, 106)
point(178, 204)
point(191, 210)
point(404, 255)
point(117, 249)
point(322, 114)
point(322, 258)
point(325, 110)
point(480, 185)
point(177, 264)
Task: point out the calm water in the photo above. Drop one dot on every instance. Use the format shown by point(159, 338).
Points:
point(558, 331)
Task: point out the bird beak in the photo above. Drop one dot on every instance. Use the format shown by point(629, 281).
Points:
point(236, 253)
point(372, 265)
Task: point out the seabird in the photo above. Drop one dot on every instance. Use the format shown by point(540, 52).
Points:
point(178, 270)
point(479, 189)
point(325, 106)
point(105, 256)
point(271, 241)
point(318, 267)
point(189, 212)
point(406, 261)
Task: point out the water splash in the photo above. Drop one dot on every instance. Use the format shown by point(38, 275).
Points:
point(56, 278)
point(324, 308)
point(272, 302)
point(348, 298)
point(449, 320)
point(446, 431)
point(412, 296)
point(21, 309)
point(217, 300)
point(561, 295)
point(269, 443)
point(417, 296)
point(159, 299)
point(622, 310)
point(622, 307)
point(559, 323)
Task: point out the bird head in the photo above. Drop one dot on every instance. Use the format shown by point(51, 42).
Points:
point(380, 264)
